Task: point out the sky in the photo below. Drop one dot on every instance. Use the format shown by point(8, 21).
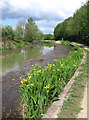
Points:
point(46, 13)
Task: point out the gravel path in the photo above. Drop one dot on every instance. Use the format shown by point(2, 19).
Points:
point(83, 113)
point(84, 103)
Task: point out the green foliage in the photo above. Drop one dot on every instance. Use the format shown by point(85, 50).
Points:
point(76, 47)
point(7, 33)
point(72, 106)
point(32, 32)
point(75, 28)
point(48, 37)
point(43, 84)
point(24, 34)
point(22, 44)
point(18, 33)
point(6, 47)
point(14, 44)
point(65, 42)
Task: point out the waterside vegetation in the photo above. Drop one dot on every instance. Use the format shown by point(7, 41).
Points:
point(25, 33)
point(43, 84)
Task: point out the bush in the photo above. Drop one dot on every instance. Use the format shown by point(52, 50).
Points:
point(43, 84)
point(48, 37)
point(6, 47)
point(19, 45)
point(76, 47)
point(65, 42)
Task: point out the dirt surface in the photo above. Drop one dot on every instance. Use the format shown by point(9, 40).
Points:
point(83, 113)
point(11, 81)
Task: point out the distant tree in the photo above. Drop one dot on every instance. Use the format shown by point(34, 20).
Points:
point(59, 31)
point(7, 33)
point(18, 33)
point(75, 28)
point(22, 24)
point(48, 37)
point(0, 32)
point(31, 31)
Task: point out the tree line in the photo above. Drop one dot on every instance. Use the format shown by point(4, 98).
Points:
point(75, 28)
point(24, 31)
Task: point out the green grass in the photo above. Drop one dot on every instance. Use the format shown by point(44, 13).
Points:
point(72, 106)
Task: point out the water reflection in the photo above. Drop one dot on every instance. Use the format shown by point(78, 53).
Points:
point(12, 61)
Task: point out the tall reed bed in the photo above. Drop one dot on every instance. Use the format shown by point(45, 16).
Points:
point(43, 84)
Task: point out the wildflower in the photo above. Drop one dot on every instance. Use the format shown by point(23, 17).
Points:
point(61, 65)
point(28, 85)
point(53, 65)
point(22, 82)
point(29, 77)
point(54, 59)
point(38, 71)
point(20, 77)
point(47, 91)
point(48, 64)
point(74, 65)
point(32, 65)
point(32, 84)
point(47, 86)
point(25, 80)
point(58, 69)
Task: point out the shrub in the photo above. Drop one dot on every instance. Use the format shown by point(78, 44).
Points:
point(65, 42)
point(6, 47)
point(76, 47)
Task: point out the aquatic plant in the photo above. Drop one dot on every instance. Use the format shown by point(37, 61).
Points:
point(43, 84)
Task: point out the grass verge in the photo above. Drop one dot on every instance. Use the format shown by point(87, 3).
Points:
point(72, 106)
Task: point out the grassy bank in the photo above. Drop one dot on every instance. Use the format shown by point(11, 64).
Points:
point(72, 106)
point(43, 84)
point(9, 45)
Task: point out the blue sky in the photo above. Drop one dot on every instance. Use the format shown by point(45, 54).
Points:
point(46, 13)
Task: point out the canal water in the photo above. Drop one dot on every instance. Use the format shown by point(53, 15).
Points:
point(12, 61)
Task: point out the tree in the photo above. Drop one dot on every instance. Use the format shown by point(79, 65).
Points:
point(75, 28)
point(59, 31)
point(18, 33)
point(0, 32)
point(48, 37)
point(7, 33)
point(31, 31)
point(22, 24)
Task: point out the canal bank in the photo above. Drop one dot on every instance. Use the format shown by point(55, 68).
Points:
point(11, 81)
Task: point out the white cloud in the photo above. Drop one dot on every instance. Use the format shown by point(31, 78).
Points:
point(44, 12)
